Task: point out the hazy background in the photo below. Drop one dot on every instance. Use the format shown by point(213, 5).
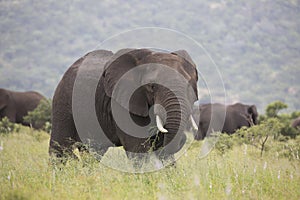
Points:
point(255, 44)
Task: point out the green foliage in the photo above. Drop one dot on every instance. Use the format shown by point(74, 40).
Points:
point(224, 143)
point(41, 116)
point(8, 127)
point(258, 135)
point(273, 108)
point(272, 126)
point(290, 149)
point(287, 129)
point(272, 111)
point(295, 114)
point(238, 174)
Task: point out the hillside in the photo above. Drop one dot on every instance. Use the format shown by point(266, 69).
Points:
point(255, 44)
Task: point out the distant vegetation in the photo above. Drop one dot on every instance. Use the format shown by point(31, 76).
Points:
point(255, 44)
point(274, 127)
point(7, 127)
point(41, 116)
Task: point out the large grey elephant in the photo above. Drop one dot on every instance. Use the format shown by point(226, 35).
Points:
point(167, 107)
point(15, 105)
point(224, 118)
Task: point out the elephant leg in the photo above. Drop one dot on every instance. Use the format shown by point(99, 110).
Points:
point(198, 135)
point(63, 138)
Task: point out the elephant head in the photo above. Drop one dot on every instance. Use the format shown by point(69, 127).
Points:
point(248, 112)
point(160, 85)
point(252, 114)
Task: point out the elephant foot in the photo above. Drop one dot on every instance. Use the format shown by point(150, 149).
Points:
point(60, 154)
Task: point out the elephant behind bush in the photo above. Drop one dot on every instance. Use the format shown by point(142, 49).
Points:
point(15, 105)
point(223, 118)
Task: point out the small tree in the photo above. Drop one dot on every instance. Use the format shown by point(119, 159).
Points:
point(41, 116)
point(291, 149)
point(224, 143)
point(273, 109)
point(295, 114)
point(259, 135)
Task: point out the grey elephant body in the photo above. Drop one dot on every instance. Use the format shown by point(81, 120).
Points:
point(296, 123)
point(227, 119)
point(67, 129)
point(15, 105)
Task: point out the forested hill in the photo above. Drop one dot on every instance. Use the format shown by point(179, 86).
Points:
point(255, 44)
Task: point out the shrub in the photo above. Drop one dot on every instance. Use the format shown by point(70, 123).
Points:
point(41, 116)
point(290, 149)
point(224, 143)
point(272, 111)
point(8, 127)
point(274, 108)
point(258, 135)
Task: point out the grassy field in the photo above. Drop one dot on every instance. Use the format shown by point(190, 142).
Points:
point(25, 173)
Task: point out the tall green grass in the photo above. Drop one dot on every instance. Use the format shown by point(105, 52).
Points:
point(25, 173)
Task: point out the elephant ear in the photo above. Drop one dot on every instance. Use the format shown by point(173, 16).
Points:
point(190, 68)
point(253, 111)
point(122, 62)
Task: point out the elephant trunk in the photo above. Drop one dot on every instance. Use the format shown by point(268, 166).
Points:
point(177, 114)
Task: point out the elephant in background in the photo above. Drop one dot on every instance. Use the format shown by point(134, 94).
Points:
point(296, 123)
point(15, 105)
point(151, 104)
point(224, 118)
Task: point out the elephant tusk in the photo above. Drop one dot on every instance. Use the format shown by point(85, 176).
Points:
point(194, 123)
point(159, 125)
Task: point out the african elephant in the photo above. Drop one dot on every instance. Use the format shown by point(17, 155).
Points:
point(167, 107)
point(15, 105)
point(296, 123)
point(223, 118)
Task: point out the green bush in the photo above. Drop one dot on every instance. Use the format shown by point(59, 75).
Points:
point(295, 114)
point(272, 111)
point(41, 116)
point(8, 127)
point(258, 135)
point(224, 143)
point(290, 149)
point(274, 108)
point(274, 127)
